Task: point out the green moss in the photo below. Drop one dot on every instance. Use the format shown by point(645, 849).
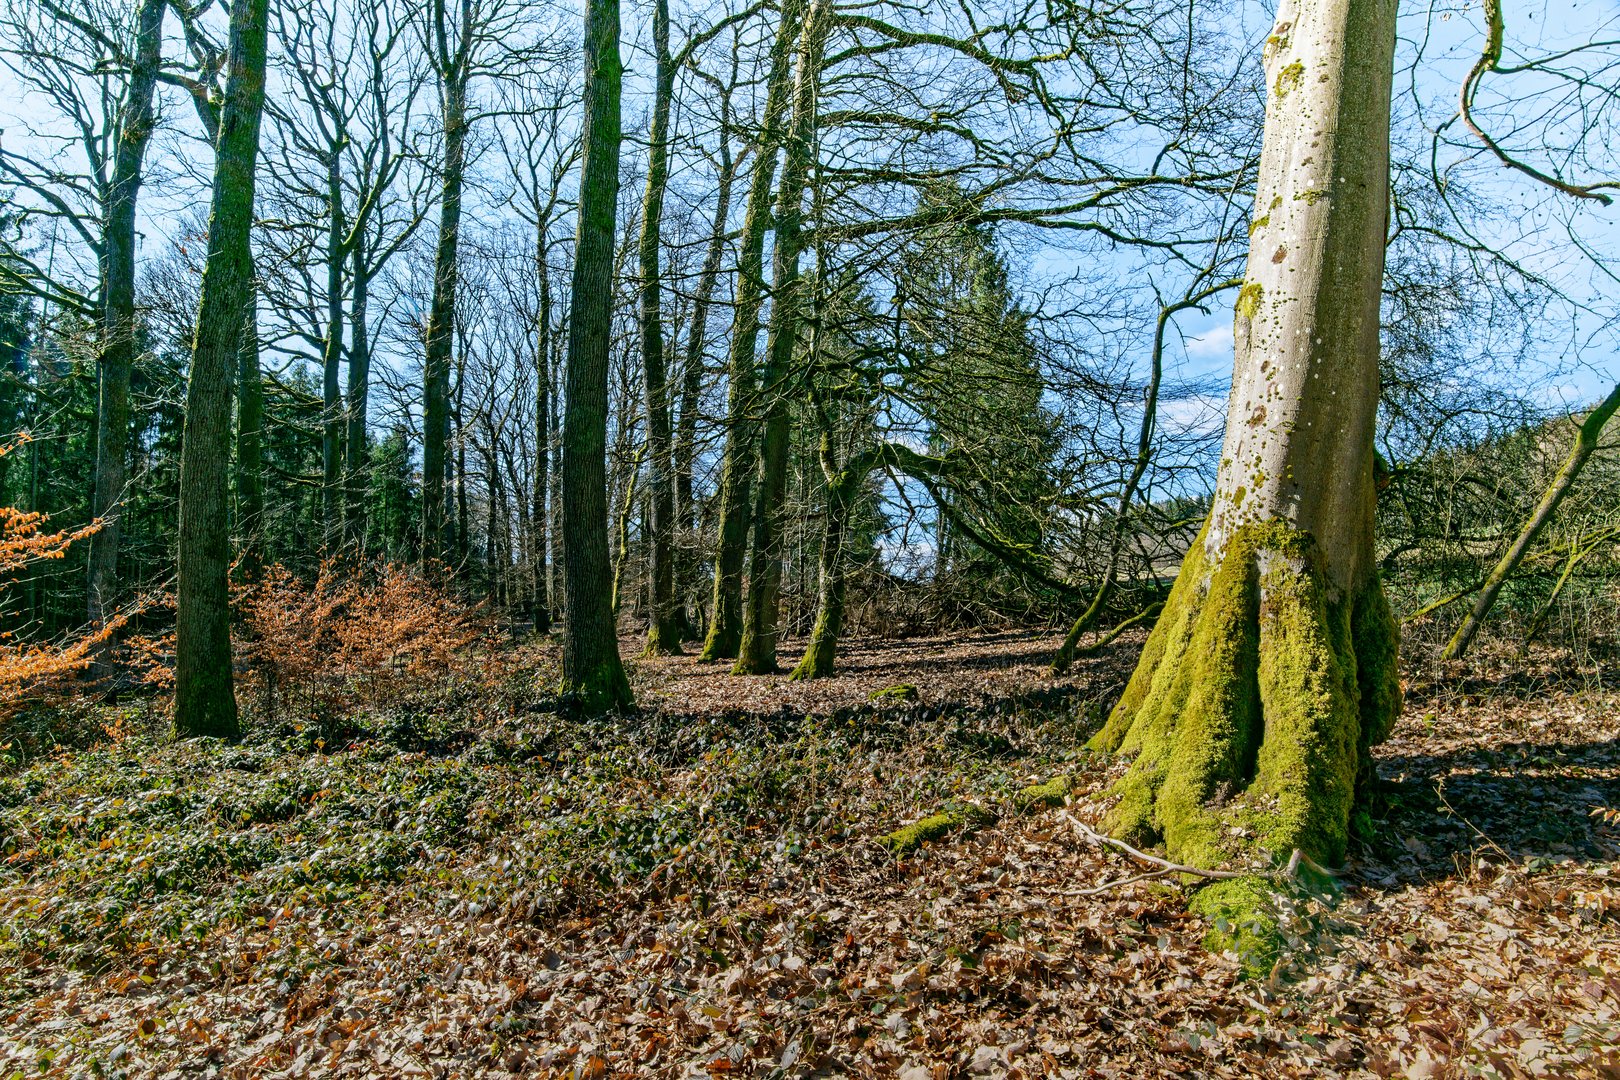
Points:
point(1052, 793)
point(1288, 79)
point(1259, 223)
point(1253, 707)
point(1242, 913)
point(1309, 196)
point(905, 840)
point(898, 692)
point(1248, 301)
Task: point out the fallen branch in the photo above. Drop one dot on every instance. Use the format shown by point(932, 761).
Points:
point(1165, 866)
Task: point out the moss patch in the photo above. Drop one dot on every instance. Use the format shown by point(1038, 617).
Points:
point(898, 692)
point(1248, 301)
point(1040, 796)
point(904, 841)
point(1243, 919)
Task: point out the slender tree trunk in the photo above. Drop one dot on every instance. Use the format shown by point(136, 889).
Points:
point(757, 654)
point(539, 508)
point(663, 631)
point(436, 536)
point(843, 488)
point(1272, 670)
point(356, 448)
point(592, 670)
point(692, 380)
point(204, 699)
point(250, 441)
point(738, 456)
point(332, 360)
point(117, 354)
point(1586, 442)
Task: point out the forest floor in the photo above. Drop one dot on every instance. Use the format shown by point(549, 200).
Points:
point(460, 882)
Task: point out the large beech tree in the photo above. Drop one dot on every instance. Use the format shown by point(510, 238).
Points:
point(1272, 669)
point(204, 699)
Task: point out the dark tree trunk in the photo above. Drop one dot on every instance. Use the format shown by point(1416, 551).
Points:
point(356, 456)
point(332, 359)
point(204, 699)
point(592, 670)
point(663, 631)
point(757, 654)
point(737, 459)
point(250, 441)
point(436, 536)
point(539, 509)
point(117, 352)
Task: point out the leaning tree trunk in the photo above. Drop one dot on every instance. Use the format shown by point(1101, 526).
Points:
point(117, 353)
point(737, 456)
point(757, 653)
point(1272, 669)
point(204, 699)
point(663, 631)
point(592, 670)
point(1586, 443)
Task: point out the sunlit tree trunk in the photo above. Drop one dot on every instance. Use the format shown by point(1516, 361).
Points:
point(1272, 670)
point(737, 460)
point(136, 119)
point(204, 698)
point(592, 670)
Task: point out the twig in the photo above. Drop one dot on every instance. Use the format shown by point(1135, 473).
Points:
point(1141, 856)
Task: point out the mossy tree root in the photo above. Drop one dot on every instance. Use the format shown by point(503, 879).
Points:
point(1253, 709)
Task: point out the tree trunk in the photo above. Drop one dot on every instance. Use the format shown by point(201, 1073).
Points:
point(538, 509)
point(663, 630)
point(356, 448)
point(1586, 442)
point(117, 354)
point(592, 670)
point(1272, 670)
point(737, 458)
point(692, 379)
point(843, 487)
point(332, 360)
point(441, 326)
point(757, 654)
point(204, 699)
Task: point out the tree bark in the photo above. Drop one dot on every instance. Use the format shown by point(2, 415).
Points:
point(843, 488)
point(332, 357)
point(356, 450)
point(737, 459)
point(136, 119)
point(663, 630)
point(757, 653)
point(204, 698)
point(539, 512)
point(592, 670)
point(1586, 442)
point(1272, 670)
point(437, 540)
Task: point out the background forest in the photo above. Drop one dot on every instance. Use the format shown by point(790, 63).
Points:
point(911, 325)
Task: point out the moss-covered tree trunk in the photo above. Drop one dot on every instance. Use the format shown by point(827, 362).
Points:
point(592, 670)
point(737, 458)
point(204, 698)
point(843, 488)
point(757, 652)
point(1272, 669)
point(663, 631)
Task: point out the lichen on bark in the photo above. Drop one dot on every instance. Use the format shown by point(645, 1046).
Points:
point(1252, 712)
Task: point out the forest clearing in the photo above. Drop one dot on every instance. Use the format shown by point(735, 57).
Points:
point(931, 539)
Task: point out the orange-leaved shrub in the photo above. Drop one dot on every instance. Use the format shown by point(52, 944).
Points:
point(365, 631)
